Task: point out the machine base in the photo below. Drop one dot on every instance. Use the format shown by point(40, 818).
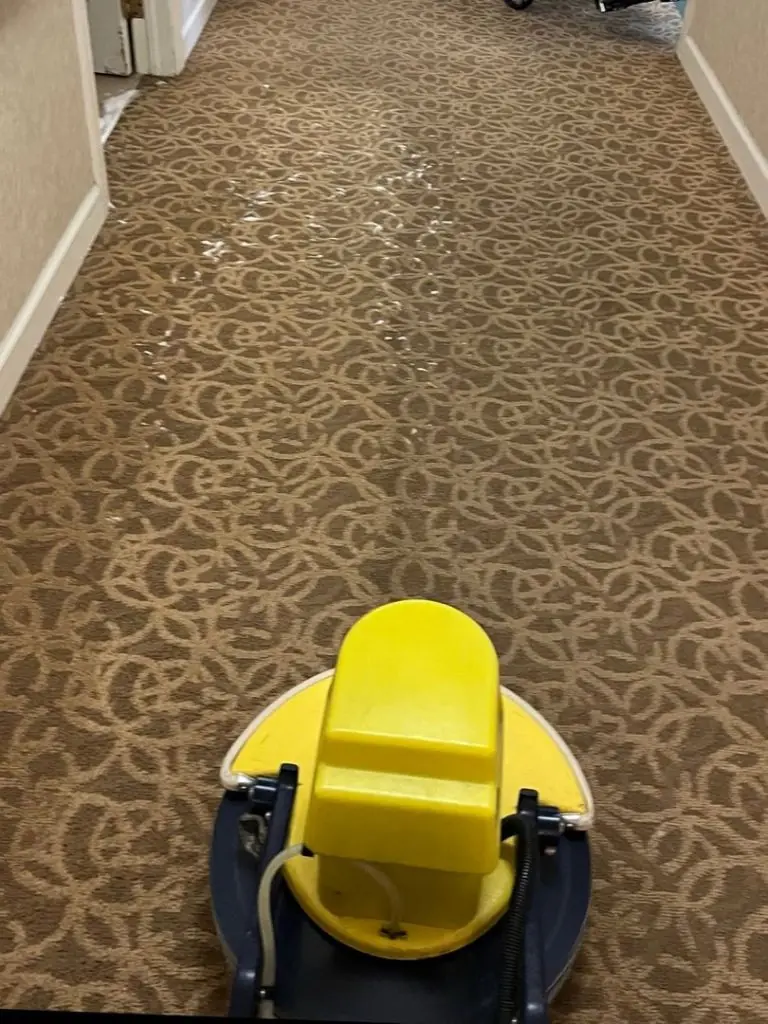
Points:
point(319, 979)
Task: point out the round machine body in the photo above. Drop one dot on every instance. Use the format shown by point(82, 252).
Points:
point(336, 968)
point(534, 757)
point(403, 840)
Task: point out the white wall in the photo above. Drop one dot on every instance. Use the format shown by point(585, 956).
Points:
point(52, 181)
point(724, 49)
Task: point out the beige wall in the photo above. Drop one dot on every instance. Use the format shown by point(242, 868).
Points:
point(46, 166)
point(733, 37)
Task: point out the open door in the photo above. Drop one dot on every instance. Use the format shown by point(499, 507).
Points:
point(110, 38)
point(151, 37)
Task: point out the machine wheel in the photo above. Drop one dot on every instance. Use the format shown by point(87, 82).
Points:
point(518, 5)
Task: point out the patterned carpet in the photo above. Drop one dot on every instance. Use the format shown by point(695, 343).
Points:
point(396, 299)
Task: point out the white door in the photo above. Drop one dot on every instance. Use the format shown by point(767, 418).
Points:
point(155, 41)
point(110, 38)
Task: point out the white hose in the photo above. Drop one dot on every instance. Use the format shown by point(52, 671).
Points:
point(391, 892)
point(267, 928)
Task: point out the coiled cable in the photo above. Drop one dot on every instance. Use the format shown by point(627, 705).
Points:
point(523, 829)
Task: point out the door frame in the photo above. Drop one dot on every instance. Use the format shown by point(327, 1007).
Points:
point(164, 38)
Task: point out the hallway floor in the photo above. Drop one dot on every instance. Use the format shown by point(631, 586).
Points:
point(396, 299)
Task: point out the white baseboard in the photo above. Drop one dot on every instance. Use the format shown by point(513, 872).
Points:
point(195, 23)
point(750, 159)
point(32, 320)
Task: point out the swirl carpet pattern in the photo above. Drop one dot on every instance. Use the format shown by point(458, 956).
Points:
point(396, 298)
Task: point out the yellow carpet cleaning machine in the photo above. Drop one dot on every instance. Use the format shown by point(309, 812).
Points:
point(402, 840)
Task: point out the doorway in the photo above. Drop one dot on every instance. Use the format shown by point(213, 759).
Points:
point(131, 38)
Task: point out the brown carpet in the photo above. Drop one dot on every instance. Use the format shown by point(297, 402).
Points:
point(397, 298)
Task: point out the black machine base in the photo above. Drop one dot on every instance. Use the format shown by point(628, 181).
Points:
point(319, 979)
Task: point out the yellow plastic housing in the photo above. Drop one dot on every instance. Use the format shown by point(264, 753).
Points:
point(408, 768)
point(442, 910)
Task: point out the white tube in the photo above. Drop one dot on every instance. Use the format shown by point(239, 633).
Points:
point(266, 925)
point(391, 893)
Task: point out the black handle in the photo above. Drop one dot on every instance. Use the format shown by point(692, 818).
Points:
point(244, 995)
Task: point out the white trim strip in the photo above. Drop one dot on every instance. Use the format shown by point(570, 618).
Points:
point(230, 779)
point(56, 276)
point(580, 822)
point(742, 145)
